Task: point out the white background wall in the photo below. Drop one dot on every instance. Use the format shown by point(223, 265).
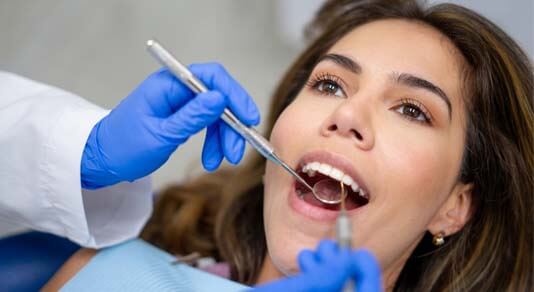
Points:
point(96, 48)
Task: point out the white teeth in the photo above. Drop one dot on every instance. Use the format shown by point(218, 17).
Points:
point(347, 180)
point(309, 169)
point(355, 187)
point(336, 174)
point(326, 169)
point(314, 166)
point(363, 194)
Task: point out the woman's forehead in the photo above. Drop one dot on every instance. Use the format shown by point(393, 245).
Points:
point(401, 45)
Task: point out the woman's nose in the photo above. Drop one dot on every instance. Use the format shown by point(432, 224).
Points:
point(352, 121)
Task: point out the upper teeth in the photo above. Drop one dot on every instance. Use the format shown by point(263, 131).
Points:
point(312, 167)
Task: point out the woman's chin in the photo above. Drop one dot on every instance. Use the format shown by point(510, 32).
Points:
point(284, 254)
point(285, 265)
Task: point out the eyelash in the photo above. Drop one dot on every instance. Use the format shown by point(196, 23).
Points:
point(321, 79)
point(427, 117)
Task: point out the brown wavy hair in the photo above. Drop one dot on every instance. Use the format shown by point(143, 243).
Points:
point(221, 214)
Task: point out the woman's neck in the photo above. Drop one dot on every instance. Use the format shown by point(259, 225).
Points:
point(268, 272)
point(391, 273)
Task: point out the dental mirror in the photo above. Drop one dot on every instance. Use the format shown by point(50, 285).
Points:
point(329, 191)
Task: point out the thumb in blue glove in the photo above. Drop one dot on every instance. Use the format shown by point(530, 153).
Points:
point(140, 134)
point(329, 268)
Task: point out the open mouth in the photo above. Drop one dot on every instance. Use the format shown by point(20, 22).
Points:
point(314, 172)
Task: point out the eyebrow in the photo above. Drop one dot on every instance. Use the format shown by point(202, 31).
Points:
point(417, 82)
point(343, 61)
point(401, 78)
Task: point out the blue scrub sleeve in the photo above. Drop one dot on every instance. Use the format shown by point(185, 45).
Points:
point(139, 266)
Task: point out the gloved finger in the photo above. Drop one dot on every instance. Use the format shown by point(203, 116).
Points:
point(326, 250)
point(307, 260)
point(163, 93)
point(300, 282)
point(198, 113)
point(212, 154)
point(233, 145)
point(215, 77)
point(367, 273)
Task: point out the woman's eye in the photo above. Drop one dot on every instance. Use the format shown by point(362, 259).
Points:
point(413, 112)
point(329, 87)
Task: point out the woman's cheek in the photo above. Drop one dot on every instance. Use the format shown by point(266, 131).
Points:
point(289, 125)
point(413, 164)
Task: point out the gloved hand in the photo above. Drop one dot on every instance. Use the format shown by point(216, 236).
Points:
point(140, 134)
point(328, 269)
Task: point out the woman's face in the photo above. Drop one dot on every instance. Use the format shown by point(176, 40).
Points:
point(384, 108)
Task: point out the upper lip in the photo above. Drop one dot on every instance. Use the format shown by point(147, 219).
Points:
point(337, 161)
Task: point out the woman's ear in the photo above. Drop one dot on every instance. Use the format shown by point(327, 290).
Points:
point(455, 211)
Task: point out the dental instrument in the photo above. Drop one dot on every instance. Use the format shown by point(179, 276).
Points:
point(328, 191)
point(250, 134)
point(343, 226)
point(344, 232)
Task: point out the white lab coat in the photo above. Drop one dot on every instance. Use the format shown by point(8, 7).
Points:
point(43, 131)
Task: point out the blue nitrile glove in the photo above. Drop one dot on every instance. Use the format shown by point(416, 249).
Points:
point(328, 269)
point(140, 134)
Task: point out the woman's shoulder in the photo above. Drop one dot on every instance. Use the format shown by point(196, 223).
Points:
point(135, 266)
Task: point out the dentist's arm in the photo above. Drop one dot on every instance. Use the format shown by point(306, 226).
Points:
point(43, 131)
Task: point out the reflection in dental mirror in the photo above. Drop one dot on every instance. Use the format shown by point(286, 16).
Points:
point(329, 191)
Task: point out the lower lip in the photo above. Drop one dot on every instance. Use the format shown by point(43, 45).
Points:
point(311, 211)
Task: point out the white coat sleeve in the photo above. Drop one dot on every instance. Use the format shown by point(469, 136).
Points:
point(43, 131)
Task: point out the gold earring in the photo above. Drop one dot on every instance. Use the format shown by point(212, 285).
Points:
point(438, 239)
